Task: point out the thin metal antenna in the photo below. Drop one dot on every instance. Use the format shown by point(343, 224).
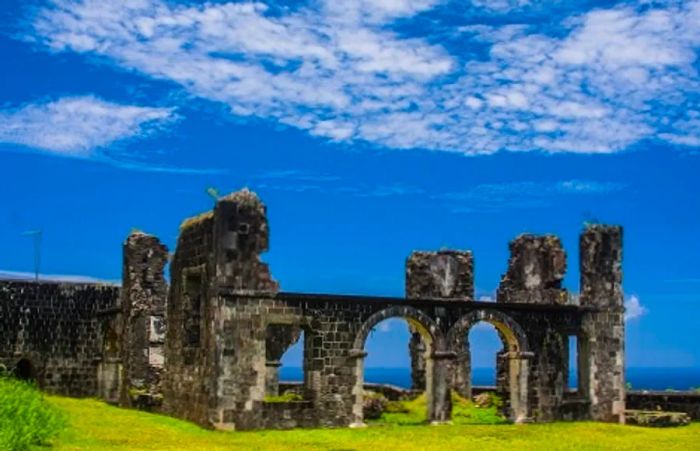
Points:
point(37, 250)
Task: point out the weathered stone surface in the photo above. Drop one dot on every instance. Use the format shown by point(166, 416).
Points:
point(669, 401)
point(446, 274)
point(59, 333)
point(602, 338)
point(656, 418)
point(144, 293)
point(417, 350)
point(536, 269)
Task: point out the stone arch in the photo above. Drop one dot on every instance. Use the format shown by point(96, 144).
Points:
point(516, 357)
point(513, 334)
point(423, 323)
point(24, 370)
point(437, 391)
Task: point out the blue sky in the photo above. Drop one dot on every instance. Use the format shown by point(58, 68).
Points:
point(370, 129)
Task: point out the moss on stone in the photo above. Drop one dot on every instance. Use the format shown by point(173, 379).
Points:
point(194, 220)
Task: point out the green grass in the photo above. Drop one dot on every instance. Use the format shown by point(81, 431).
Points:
point(97, 426)
point(412, 413)
point(26, 419)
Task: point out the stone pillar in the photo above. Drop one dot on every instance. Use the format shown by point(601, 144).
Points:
point(357, 356)
point(536, 269)
point(461, 372)
point(144, 293)
point(417, 348)
point(438, 387)
point(518, 376)
point(446, 274)
point(602, 346)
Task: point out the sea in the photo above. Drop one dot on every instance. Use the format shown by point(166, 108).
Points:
point(637, 378)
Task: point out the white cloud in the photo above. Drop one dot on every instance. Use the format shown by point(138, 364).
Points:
point(75, 126)
point(634, 309)
point(607, 79)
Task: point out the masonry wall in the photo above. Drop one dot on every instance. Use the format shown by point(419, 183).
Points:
point(445, 274)
point(59, 329)
point(602, 341)
point(207, 343)
point(188, 387)
point(688, 402)
point(144, 293)
point(536, 269)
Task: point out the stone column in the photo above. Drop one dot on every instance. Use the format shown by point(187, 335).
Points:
point(144, 293)
point(417, 348)
point(461, 372)
point(358, 357)
point(438, 387)
point(603, 344)
point(518, 364)
point(447, 275)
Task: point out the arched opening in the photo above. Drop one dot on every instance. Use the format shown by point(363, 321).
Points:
point(24, 370)
point(507, 350)
point(284, 362)
point(485, 347)
point(390, 346)
point(403, 319)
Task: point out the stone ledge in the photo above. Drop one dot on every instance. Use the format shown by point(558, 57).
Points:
point(658, 419)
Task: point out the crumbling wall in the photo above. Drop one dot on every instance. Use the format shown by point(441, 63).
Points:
point(445, 274)
point(669, 401)
point(217, 252)
point(189, 345)
point(535, 272)
point(536, 269)
point(55, 330)
point(603, 341)
point(144, 293)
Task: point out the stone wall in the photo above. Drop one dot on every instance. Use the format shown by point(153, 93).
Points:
point(602, 339)
point(446, 274)
point(289, 415)
point(144, 293)
point(190, 364)
point(228, 326)
point(55, 332)
point(669, 401)
point(205, 342)
point(536, 269)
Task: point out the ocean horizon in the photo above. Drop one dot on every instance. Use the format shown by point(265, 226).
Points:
point(637, 378)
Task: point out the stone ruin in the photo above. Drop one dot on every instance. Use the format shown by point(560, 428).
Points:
point(207, 348)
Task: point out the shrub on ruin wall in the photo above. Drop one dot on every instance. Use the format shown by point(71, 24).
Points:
point(26, 419)
point(373, 405)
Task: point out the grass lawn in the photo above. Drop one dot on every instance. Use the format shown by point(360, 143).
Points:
point(95, 425)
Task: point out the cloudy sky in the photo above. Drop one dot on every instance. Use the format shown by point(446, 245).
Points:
point(370, 128)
